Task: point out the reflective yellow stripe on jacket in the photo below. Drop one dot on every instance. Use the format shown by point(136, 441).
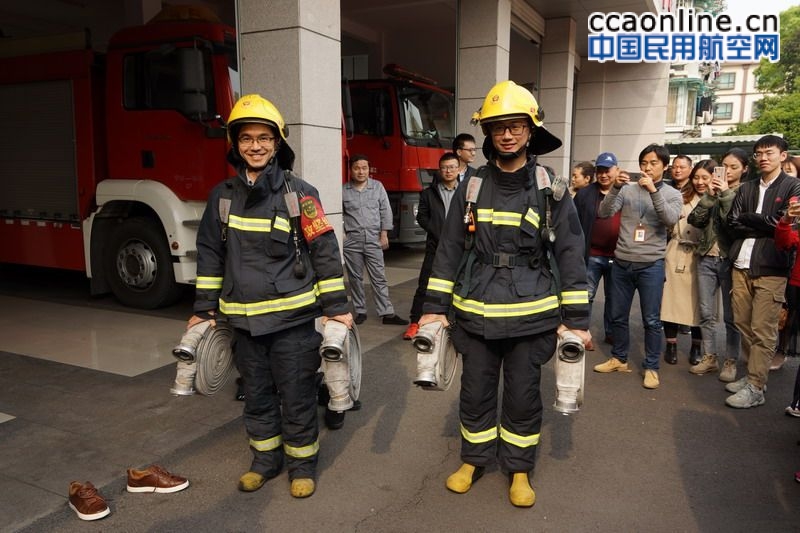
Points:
point(209, 282)
point(266, 444)
point(532, 217)
point(440, 285)
point(250, 224)
point(282, 224)
point(499, 218)
point(330, 285)
point(520, 441)
point(505, 310)
point(270, 306)
point(575, 297)
point(479, 437)
point(302, 452)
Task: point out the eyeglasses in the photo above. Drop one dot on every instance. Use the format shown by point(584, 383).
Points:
point(246, 140)
point(472, 150)
point(761, 155)
point(516, 128)
point(450, 168)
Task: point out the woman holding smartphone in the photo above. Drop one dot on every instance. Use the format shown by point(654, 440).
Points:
point(714, 265)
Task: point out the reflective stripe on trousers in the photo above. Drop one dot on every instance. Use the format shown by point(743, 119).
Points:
point(521, 410)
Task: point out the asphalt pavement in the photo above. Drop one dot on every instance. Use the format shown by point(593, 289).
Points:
point(671, 459)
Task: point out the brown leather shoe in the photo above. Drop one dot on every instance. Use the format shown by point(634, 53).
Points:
point(86, 501)
point(155, 479)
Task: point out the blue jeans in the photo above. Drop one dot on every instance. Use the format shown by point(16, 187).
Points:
point(597, 268)
point(715, 273)
point(626, 278)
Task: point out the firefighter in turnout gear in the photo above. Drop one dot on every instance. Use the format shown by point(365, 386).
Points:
point(269, 261)
point(509, 268)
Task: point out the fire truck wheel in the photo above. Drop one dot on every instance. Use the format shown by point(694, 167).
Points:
point(138, 265)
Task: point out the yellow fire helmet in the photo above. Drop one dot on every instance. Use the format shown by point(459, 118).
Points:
point(508, 100)
point(253, 108)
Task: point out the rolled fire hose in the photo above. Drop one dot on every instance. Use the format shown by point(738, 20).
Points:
point(212, 357)
point(436, 357)
point(341, 365)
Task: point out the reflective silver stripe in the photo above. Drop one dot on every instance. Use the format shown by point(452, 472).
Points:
point(266, 444)
point(485, 215)
point(505, 310)
point(506, 218)
point(440, 285)
point(532, 217)
point(499, 218)
point(269, 306)
point(250, 224)
point(208, 282)
point(281, 224)
point(302, 452)
point(479, 437)
point(519, 441)
point(575, 297)
point(330, 285)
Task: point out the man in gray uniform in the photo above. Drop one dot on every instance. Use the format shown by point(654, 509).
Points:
point(367, 221)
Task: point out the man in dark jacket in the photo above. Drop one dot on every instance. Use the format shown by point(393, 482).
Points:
point(492, 267)
point(269, 261)
point(433, 205)
point(600, 234)
point(760, 270)
point(464, 148)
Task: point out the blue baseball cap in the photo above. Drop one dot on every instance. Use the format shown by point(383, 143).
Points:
point(606, 160)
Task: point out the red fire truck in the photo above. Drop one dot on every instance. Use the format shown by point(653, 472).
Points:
point(403, 124)
point(106, 160)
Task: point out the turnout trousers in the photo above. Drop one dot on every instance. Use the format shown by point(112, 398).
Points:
point(280, 398)
point(513, 442)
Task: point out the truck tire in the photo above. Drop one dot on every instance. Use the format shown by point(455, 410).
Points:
point(138, 264)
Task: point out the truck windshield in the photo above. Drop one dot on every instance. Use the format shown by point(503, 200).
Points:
point(426, 117)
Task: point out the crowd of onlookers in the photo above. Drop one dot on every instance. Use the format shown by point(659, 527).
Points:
point(691, 237)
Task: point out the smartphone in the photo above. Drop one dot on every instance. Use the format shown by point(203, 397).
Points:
point(719, 173)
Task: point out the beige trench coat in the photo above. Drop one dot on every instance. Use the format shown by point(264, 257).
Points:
point(680, 303)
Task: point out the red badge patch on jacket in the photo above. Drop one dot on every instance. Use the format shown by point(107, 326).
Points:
point(313, 219)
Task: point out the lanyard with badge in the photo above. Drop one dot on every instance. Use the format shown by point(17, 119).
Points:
point(639, 232)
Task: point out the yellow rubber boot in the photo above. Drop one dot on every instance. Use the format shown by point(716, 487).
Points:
point(521, 494)
point(251, 481)
point(463, 478)
point(303, 487)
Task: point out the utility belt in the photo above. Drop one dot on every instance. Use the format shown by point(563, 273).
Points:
point(504, 260)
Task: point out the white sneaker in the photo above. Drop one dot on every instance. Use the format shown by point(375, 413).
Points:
point(746, 398)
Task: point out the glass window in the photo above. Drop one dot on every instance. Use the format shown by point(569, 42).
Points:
point(755, 111)
point(152, 80)
point(723, 111)
point(427, 116)
point(726, 80)
point(672, 105)
point(372, 111)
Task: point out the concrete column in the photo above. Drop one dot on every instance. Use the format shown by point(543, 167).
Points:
point(290, 54)
point(557, 91)
point(484, 29)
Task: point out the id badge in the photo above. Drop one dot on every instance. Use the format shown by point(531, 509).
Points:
point(639, 233)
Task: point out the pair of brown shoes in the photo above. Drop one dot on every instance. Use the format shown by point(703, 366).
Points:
point(88, 504)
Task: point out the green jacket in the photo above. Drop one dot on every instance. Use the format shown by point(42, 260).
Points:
point(709, 215)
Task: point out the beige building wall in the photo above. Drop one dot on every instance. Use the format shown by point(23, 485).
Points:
point(620, 108)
